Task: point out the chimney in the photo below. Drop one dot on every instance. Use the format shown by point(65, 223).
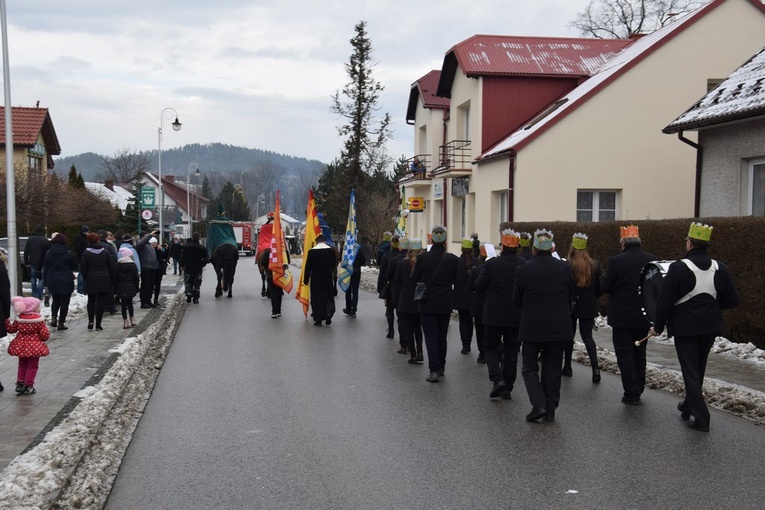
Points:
point(170, 178)
point(109, 184)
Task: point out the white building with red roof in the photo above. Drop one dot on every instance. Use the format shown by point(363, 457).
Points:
point(34, 139)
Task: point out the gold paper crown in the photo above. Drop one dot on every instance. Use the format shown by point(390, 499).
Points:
point(630, 232)
point(700, 232)
point(510, 238)
point(525, 241)
point(579, 241)
point(467, 243)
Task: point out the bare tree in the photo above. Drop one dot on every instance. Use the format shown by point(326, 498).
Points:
point(619, 19)
point(124, 166)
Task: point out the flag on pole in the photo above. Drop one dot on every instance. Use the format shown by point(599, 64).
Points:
point(402, 213)
point(278, 261)
point(350, 248)
point(312, 230)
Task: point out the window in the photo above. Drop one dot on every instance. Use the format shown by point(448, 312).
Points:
point(594, 205)
point(757, 180)
point(504, 206)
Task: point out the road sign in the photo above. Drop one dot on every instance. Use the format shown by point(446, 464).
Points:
point(146, 214)
point(147, 197)
point(416, 204)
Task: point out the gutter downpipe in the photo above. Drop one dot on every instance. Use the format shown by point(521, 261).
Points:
point(511, 188)
point(699, 157)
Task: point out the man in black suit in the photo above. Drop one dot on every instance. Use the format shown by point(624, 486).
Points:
point(501, 317)
point(543, 289)
point(692, 296)
point(319, 271)
point(383, 284)
point(193, 260)
point(625, 312)
point(438, 270)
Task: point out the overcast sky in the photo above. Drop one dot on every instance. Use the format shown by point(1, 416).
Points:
point(257, 73)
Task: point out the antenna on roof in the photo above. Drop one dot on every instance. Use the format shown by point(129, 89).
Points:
point(38, 104)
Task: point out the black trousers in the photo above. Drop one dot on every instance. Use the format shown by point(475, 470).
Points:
point(352, 295)
point(544, 388)
point(692, 353)
point(466, 328)
point(479, 333)
point(275, 293)
point(147, 286)
point(435, 327)
point(157, 283)
point(505, 339)
point(390, 314)
point(192, 282)
point(631, 359)
point(412, 331)
point(585, 331)
point(96, 305)
point(59, 307)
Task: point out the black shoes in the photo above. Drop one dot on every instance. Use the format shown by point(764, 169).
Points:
point(695, 425)
point(25, 390)
point(188, 299)
point(465, 350)
point(413, 360)
point(317, 323)
point(389, 334)
point(506, 395)
point(19, 387)
point(62, 327)
point(631, 401)
point(346, 311)
point(144, 306)
point(685, 415)
point(47, 300)
point(567, 371)
point(481, 359)
point(433, 377)
point(328, 320)
point(196, 301)
point(90, 325)
point(550, 415)
point(596, 375)
point(536, 413)
point(499, 387)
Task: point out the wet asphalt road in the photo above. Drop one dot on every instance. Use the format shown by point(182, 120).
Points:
point(261, 413)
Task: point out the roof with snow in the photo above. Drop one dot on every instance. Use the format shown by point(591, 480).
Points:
point(118, 196)
point(605, 75)
point(505, 55)
point(425, 89)
point(740, 96)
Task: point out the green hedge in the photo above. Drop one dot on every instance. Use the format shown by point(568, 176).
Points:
point(733, 243)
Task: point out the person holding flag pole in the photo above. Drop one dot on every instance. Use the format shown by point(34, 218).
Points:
point(312, 231)
point(349, 274)
point(403, 212)
point(277, 267)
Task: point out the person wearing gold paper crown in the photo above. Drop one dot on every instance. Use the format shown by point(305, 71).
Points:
point(543, 289)
point(625, 312)
point(462, 297)
point(586, 272)
point(692, 296)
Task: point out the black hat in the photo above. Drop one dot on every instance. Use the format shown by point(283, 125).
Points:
point(84, 229)
point(127, 237)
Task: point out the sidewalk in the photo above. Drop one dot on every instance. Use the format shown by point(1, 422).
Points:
point(79, 358)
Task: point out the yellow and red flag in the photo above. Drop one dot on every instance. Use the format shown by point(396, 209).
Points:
point(278, 261)
point(312, 230)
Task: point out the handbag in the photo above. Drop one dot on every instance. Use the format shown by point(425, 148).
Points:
point(420, 291)
point(385, 291)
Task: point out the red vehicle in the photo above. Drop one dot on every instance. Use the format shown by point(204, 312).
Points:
point(245, 236)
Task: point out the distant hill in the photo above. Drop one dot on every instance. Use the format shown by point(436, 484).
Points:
point(216, 157)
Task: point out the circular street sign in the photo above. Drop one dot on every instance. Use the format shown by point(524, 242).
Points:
point(415, 203)
point(146, 214)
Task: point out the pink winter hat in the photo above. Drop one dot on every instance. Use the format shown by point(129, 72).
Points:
point(126, 252)
point(25, 304)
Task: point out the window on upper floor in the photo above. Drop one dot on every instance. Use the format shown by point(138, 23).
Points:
point(757, 187)
point(596, 205)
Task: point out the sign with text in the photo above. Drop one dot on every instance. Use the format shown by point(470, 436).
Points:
point(460, 186)
point(147, 197)
point(416, 204)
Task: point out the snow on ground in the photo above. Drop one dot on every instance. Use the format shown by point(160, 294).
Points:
point(75, 465)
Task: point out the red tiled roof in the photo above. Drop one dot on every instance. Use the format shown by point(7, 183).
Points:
point(425, 89)
point(532, 56)
point(28, 123)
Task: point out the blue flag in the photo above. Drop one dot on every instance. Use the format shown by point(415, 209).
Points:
point(350, 248)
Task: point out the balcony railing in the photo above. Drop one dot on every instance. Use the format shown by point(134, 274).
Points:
point(418, 167)
point(454, 156)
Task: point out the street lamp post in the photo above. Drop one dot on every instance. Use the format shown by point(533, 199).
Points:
point(176, 127)
point(261, 200)
point(195, 168)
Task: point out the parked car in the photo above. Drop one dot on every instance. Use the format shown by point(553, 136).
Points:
point(26, 275)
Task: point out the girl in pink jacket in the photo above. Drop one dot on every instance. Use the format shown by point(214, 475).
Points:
point(29, 344)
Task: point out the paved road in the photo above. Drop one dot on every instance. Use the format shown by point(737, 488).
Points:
point(254, 412)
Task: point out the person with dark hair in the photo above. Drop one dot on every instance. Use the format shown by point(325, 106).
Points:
point(692, 297)
point(437, 269)
point(501, 316)
point(97, 268)
point(586, 273)
point(402, 247)
point(80, 245)
point(103, 237)
point(175, 253)
point(478, 300)
point(352, 294)
point(193, 260)
point(126, 286)
point(383, 284)
point(543, 289)
point(625, 312)
point(149, 265)
point(32, 250)
point(274, 292)
point(162, 259)
point(407, 309)
point(320, 265)
point(60, 266)
point(461, 295)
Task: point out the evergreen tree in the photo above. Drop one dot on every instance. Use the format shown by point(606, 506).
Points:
point(131, 220)
point(75, 180)
point(234, 203)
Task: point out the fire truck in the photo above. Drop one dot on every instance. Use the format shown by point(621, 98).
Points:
point(245, 233)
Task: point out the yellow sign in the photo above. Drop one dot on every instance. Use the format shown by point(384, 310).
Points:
point(416, 204)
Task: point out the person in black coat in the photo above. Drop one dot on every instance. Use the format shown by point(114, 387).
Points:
point(586, 273)
point(461, 295)
point(193, 260)
point(320, 266)
point(59, 267)
point(543, 289)
point(80, 245)
point(438, 270)
point(383, 285)
point(407, 309)
point(390, 277)
point(625, 312)
point(175, 253)
point(163, 255)
point(692, 297)
point(477, 300)
point(352, 294)
point(126, 286)
point(32, 250)
point(97, 268)
point(501, 316)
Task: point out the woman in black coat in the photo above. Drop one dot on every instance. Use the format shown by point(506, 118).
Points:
point(462, 296)
point(586, 273)
point(407, 308)
point(163, 257)
point(477, 300)
point(97, 268)
point(126, 286)
point(59, 266)
point(438, 270)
